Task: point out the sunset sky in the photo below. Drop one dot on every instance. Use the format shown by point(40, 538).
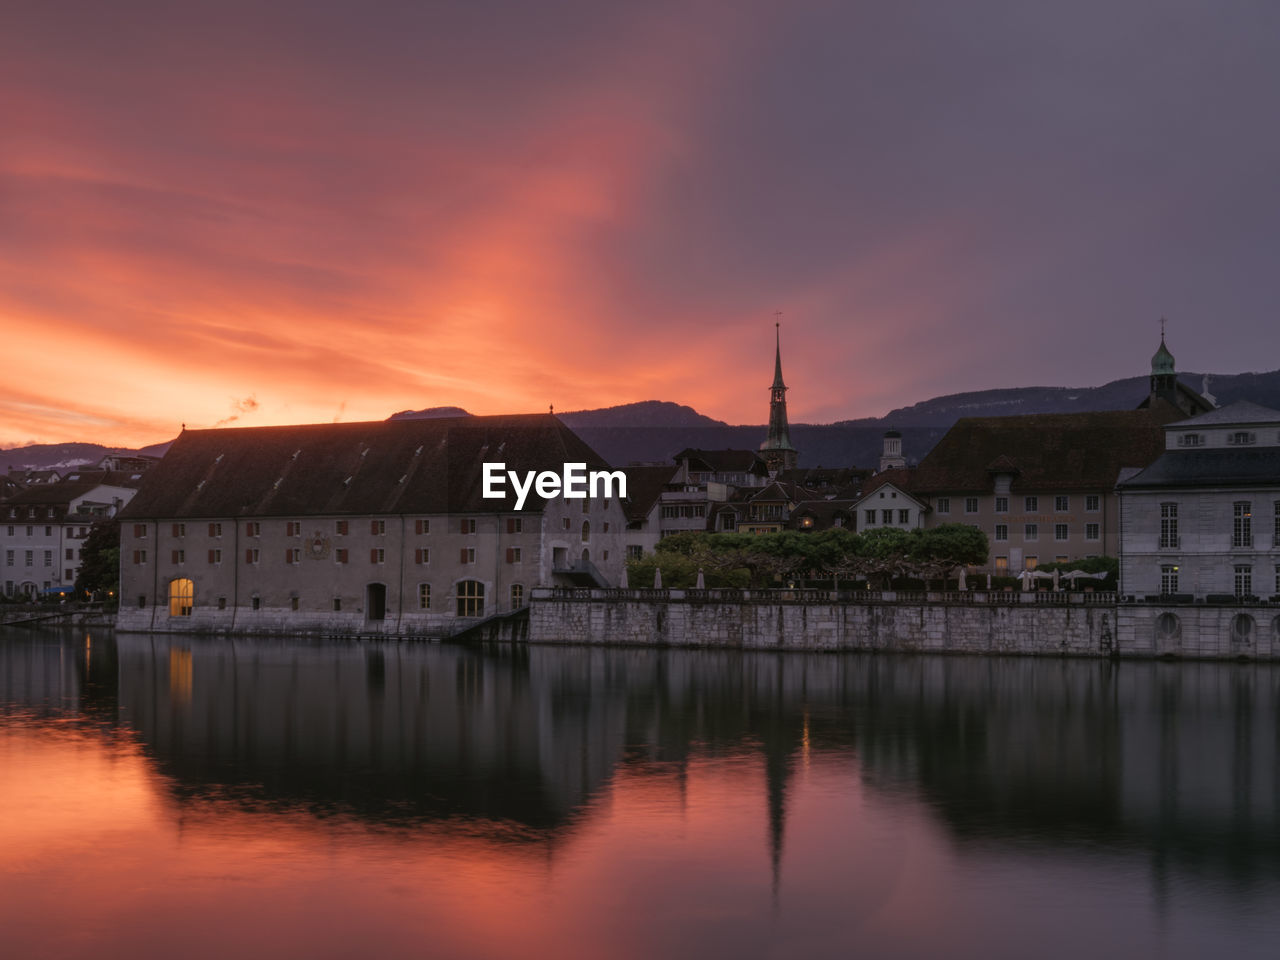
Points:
point(258, 213)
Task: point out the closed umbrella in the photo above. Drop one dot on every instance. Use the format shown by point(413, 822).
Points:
point(657, 578)
point(623, 582)
point(1055, 580)
point(962, 585)
point(701, 583)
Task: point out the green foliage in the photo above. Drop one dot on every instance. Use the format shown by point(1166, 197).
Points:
point(1108, 565)
point(885, 554)
point(99, 574)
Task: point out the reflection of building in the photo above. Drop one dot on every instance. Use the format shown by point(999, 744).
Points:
point(1204, 518)
point(43, 527)
point(361, 527)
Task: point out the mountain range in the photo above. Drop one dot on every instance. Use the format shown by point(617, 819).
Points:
point(652, 430)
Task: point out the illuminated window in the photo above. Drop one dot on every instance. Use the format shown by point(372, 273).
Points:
point(517, 596)
point(1168, 579)
point(1242, 524)
point(182, 594)
point(1002, 563)
point(1032, 562)
point(470, 598)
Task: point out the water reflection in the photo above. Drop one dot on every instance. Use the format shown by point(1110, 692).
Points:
point(755, 802)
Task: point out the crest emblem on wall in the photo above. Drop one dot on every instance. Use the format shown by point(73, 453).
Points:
point(318, 546)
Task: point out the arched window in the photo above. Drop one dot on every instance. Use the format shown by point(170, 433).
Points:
point(586, 530)
point(182, 596)
point(470, 598)
point(517, 596)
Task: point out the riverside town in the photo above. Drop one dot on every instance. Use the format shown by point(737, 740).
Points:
point(572, 483)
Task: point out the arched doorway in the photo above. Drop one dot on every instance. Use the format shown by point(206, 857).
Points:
point(375, 601)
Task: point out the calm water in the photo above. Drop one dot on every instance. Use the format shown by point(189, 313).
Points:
point(211, 799)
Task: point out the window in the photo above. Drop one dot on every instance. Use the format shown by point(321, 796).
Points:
point(139, 557)
point(293, 603)
point(215, 556)
point(179, 530)
point(422, 526)
point(1002, 504)
point(468, 525)
point(252, 555)
point(586, 530)
point(31, 531)
point(139, 531)
point(1242, 438)
point(255, 602)
point(337, 604)
point(586, 505)
point(1060, 531)
point(30, 557)
point(513, 554)
point(1002, 563)
point(467, 555)
point(970, 504)
point(340, 555)
point(886, 516)
point(377, 555)
point(48, 531)
point(1032, 504)
point(1275, 535)
point(179, 556)
point(1030, 531)
point(253, 528)
point(728, 520)
point(1031, 563)
point(1061, 504)
point(293, 528)
point(517, 596)
point(70, 554)
point(378, 528)
point(182, 594)
point(1168, 526)
point(215, 529)
point(634, 551)
point(944, 505)
point(1242, 524)
point(8, 558)
point(904, 517)
point(48, 558)
point(871, 517)
point(341, 528)
point(1244, 581)
point(222, 603)
point(1190, 439)
point(424, 596)
point(293, 555)
point(565, 523)
point(1091, 503)
point(1091, 531)
point(470, 598)
point(422, 555)
point(1002, 531)
point(1168, 579)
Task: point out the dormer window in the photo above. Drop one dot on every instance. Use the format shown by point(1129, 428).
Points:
point(1242, 438)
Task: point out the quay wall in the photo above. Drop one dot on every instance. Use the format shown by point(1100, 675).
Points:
point(1088, 625)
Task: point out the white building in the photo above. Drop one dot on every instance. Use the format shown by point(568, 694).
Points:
point(1203, 520)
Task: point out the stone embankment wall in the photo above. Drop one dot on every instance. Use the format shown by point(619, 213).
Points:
point(1093, 625)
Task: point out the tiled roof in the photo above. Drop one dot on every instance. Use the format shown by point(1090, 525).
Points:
point(788, 492)
point(381, 467)
point(900, 477)
point(1240, 412)
point(723, 461)
point(824, 512)
point(644, 487)
point(54, 494)
point(1229, 467)
point(1060, 451)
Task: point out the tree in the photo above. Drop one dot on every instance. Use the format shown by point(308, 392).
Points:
point(99, 561)
point(936, 551)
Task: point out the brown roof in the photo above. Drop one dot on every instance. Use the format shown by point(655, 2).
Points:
point(644, 487)
point(723, 461)
point(381, 467)
point(901, 477)
point(1058, 451)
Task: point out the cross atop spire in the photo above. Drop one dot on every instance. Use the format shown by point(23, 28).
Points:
point(1162, 323)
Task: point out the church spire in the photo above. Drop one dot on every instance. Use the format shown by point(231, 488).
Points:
point(777, 450)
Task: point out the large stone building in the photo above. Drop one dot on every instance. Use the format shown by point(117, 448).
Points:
point(1203, 520)
point(43, 527)
point(1042, 486)
point(359, 527)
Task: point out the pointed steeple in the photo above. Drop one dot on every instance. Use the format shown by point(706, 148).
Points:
point(777, 450)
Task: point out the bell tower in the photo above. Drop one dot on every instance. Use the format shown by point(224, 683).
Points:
point(777, 451)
